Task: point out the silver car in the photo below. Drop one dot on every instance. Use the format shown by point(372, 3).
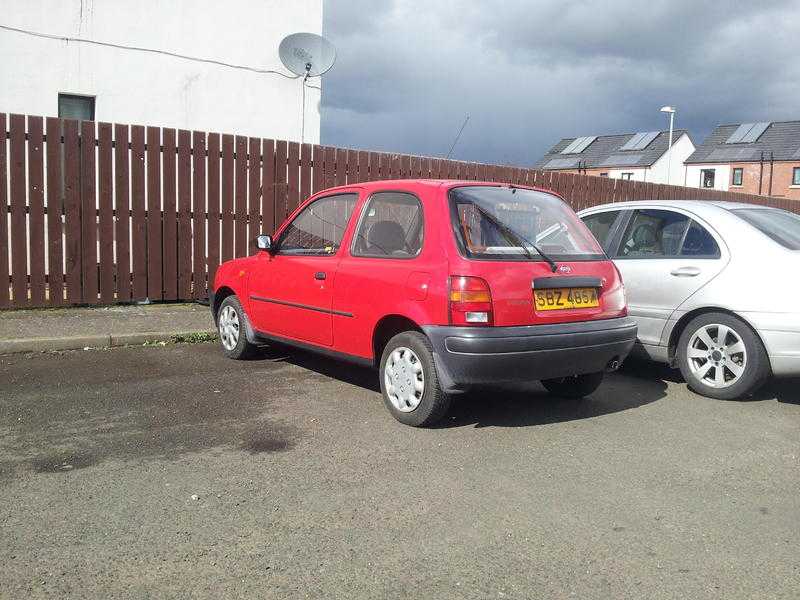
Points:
point(714, 287)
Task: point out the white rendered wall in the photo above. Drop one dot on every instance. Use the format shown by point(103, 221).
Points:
point(144, 88)
point(722, 176)
point(682, 148)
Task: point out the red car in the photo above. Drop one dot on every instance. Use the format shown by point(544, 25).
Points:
point(441, 285)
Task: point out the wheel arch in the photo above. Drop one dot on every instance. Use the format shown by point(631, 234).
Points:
point(223, 292)
point(386, 328)
point(677, 330)
point(219, 295)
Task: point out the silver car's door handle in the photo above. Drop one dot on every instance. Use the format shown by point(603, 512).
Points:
point(685, 272)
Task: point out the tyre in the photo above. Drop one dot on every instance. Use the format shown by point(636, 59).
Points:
point(409, 383)
point(576, 386)
point(231, 327)
point(721, 357)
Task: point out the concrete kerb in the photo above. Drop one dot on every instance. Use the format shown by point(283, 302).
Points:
point(19, 345)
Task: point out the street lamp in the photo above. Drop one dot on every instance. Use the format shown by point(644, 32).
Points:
point(671, 111)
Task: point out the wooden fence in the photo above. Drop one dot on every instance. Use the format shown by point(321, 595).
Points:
point(95, 213)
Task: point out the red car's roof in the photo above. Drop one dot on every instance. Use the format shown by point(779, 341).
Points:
point(430, 183)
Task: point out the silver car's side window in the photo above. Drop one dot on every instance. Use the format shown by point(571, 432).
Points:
point(654, 233)
point(699, 243)
point(601, 225)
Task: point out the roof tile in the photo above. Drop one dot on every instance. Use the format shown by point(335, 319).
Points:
point(605, 152)
point(781, 139)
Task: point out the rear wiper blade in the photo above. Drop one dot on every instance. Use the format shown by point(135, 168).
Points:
point(521, 240)
point(548, 259)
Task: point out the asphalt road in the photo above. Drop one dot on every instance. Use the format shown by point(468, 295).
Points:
point(173, 472)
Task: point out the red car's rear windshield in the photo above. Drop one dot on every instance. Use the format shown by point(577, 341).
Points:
point(507, 223)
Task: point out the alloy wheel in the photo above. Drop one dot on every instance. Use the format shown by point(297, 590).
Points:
point(717, 355)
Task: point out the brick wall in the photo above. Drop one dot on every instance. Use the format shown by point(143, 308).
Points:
point(778, 173)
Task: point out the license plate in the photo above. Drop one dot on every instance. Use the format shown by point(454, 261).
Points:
point(564, 298)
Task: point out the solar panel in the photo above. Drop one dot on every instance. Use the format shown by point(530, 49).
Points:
point(584, 144)
point(640, 140)
point(646, 140)
point(733, 154)
point(740, 132)
point(578, 145)
point(631, 143)
point(570, 146)
point(755, 132)
point(621, 160)
point(562, 163)
point(747, 133)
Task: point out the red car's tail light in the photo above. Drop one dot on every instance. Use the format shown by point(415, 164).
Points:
point(470, 301)
point(616, 298)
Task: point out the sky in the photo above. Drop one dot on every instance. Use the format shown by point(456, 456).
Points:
point(530, 72)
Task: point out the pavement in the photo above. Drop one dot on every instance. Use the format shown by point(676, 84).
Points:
point(172, 472)
point(43, 330)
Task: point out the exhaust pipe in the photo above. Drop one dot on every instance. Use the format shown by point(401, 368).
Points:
point(613, 365)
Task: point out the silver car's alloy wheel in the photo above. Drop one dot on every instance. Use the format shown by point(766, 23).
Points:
point(717, 355)
point(404, 379)
point(228, 324)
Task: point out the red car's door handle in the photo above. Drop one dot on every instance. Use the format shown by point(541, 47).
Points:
point(320, 275)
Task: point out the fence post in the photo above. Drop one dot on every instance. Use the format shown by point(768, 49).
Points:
point(5, 296)
point(155, 253)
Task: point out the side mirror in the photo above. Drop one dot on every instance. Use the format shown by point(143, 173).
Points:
point(264, 242)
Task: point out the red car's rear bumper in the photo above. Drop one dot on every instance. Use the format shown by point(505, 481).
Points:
point(471, 356)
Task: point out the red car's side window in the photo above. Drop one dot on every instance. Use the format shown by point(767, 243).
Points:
point(391, 226)
point(319, 228)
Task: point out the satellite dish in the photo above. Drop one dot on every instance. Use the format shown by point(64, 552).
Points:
point(307, 54)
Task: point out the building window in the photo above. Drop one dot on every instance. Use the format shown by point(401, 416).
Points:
point(707, 178)
point(71, 106)
point(796, 176)
point(603, 174)
point(627, 176)
point(738, 173)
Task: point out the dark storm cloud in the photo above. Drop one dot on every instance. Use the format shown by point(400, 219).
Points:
point(529, 73)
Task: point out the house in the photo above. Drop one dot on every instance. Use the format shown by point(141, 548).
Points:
point(199, 65)
point(641, 156)
point(756, 158)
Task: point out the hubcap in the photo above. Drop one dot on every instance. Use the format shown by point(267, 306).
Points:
point(228, 325)
point(717, 355)
point(404, 379)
